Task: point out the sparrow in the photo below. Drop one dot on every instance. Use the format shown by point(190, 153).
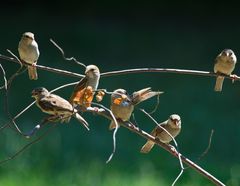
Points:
point(84, 91)
point(224, 64)
point(122, 104)
point(172, 125)
point(56, 106)
point(29, 53)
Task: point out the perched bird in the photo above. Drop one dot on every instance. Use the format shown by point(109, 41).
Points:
point(172, 125)
point(83, 92)
point(29, 53)
point(122, 104)
point(56, 106)
point(224, 64)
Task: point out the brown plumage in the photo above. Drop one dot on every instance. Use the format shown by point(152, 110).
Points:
point(83, 92)
point(224, 64)
point(29, 53)
point(172, 125)
point(122, 104)
point(56, 106)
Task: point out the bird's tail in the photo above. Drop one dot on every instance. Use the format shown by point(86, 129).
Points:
point(144, 94)
point(147, 147)
point(219, 84)
point(81, 120)
point(32, 73)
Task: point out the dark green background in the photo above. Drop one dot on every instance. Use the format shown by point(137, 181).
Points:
point(121, 35)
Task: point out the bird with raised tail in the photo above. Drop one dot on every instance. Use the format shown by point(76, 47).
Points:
point(56, 106)
point(122, 104)
point(224, 64)
point(172, 125)
point(84, 91)
point(29, 53)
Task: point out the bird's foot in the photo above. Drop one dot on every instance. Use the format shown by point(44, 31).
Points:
point(173, 149)
point(234, 77)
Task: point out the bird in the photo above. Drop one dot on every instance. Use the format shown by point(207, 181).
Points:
point(83, 92)
point(224, 64)
point(56, 106)
point(29, 53)
point(122, 104)
point(172, 125)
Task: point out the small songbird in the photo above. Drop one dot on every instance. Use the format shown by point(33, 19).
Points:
point(172, 125)
point(83, 92)
point(122, 104)
point(56, 106)
point(29, 53)
point(224, 64)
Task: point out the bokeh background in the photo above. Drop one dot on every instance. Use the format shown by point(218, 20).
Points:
point(119, 35)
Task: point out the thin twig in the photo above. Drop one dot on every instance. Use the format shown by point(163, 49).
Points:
point(64, 86)
point(157, 104)
point(27, 146)
point(160, 126)
point(18, 60)
point(49, 69)
point(181, 171)
point(4, 78)
point(63, 54)
point(6, 95)
point(208, 147)
point(168, 148)
point(114, 132)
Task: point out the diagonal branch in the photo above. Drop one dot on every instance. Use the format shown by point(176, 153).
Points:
point(166, 147)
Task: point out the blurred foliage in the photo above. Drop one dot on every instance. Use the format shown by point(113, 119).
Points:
point(120, 36)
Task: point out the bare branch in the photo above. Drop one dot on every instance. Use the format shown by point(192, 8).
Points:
point(114, 132)
point(27, 146)
point(4, 78)
point(130, 71)
point(208, 147)
point(156, 106)
point(168, 148)
point(167, 70)
point(18, 60)
point(41, 67)
point(63, 54)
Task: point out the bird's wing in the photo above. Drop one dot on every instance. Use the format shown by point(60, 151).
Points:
point(56, 103)
point(158, 129)
point(144, 94)
point(78, 91)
